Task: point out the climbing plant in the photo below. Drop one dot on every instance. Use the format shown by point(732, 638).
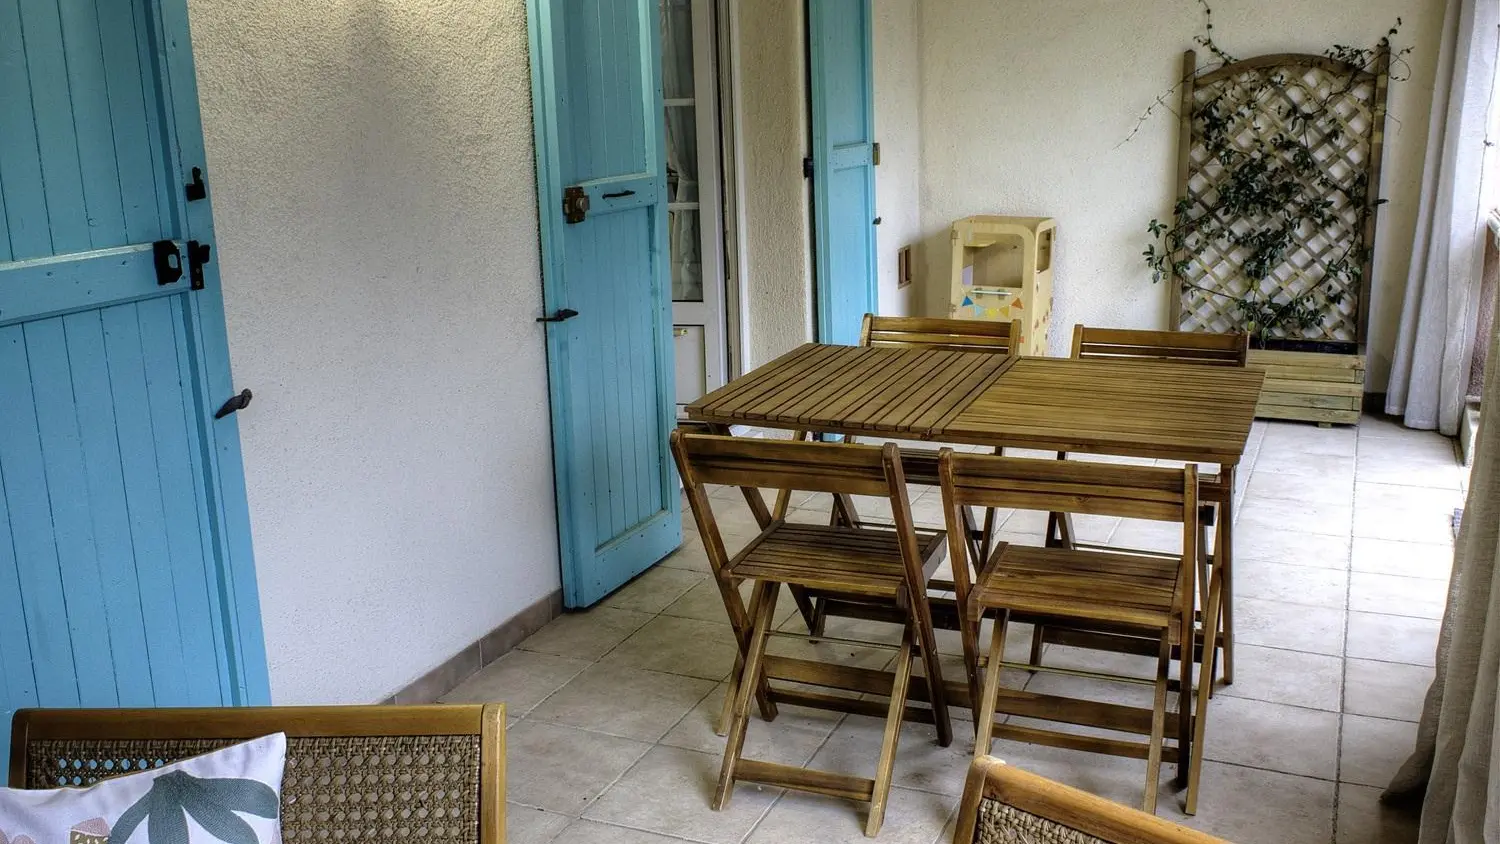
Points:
point(1273, 227)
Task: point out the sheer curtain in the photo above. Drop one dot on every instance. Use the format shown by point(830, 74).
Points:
point(1430, 372)
point(682, 149)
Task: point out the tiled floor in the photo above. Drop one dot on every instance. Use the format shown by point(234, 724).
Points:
point(1344, 544)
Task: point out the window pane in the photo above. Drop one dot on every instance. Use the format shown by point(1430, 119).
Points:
point(686, 245)
point(677, 48)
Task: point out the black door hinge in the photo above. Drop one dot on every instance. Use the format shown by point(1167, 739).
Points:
point(807, 167)
point(197, 256)
point(196, 189)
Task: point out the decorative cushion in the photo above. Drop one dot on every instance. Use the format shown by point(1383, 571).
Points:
point(231, 795)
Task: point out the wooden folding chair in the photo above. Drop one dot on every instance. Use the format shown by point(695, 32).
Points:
point(959, 335)
point(888, 566)
point(1215, 491)
point(1003, 805)
point(1145, 595)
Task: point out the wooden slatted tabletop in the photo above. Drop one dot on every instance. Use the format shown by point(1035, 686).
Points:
point(1131, 408)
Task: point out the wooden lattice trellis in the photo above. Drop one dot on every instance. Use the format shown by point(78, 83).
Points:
point(1345, 143)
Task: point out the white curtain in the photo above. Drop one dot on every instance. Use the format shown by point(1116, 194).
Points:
point(1456, 737)
point(1430, 372)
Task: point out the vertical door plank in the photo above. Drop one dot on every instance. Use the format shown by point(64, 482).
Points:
point(170, 403)
point(24, 197)
point(108, 508)
point(17, 682)
point(135, 121)
point(57, 142)
point(72, 524)
point(144, 498)
point(92, 125)
point(25, 480)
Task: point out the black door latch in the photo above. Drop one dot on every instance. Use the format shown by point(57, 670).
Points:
point(235, 403)
point(168, 261)
point(196, 189)
point(561, 316)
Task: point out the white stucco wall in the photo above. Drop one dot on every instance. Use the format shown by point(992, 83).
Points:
point(773, 140)
point(374, 193)
point(898, 129)
point(1025, 104)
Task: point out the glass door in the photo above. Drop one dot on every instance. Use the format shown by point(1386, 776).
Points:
point(694, 195)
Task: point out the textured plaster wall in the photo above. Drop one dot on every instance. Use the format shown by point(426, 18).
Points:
point(774, 137)
point(778, 230)
point(373, 186)
point(898, 93)
point(1025, 104)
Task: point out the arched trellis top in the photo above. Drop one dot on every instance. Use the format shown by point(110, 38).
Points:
point(1313, 124)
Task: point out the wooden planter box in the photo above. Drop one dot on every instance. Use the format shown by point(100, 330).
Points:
point(1310, 386)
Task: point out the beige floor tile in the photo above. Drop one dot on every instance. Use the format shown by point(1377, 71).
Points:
point(1393, 595)
point(704, 602)
point(525, 825)
point(1309, 585)
point(1112, 777)
point(1249, 806)
point(690, 556)
point(791, 739)
point(1142, 535)
point(1391, 638)
point(586, 635)
point(1268, 513)
point(1363, 819)
point(593, 832)
point(1276, 624)
point(654, 590)
point(622, 701)
point(1405, 513)
point(1291, 547)
point(1427, 462)
point(911, 817)
point(1373, 749)
point(520, 680)
point(669, 792)
point(679, 646)
point(1329, 480)
point(921, 764)
point(1272, 736)
point(1085, 528)
point(562, 769)
point(1281, 676)
point(1385, 689)
point(1406, 559)
point(1305, 438)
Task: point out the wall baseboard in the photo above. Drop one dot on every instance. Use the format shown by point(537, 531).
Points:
point(477, 654)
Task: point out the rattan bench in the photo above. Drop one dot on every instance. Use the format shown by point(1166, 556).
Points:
point(385, 774)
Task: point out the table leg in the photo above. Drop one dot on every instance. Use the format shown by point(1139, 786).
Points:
point(1223, 559)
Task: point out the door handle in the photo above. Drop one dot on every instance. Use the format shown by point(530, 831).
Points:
point(235, 403)
point(561, 316)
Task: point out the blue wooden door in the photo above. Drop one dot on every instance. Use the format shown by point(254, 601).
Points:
point(843, 131)
point(125, 569)
point(598, 113)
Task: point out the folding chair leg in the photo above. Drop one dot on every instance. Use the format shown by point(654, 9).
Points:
point(1205, 684)
point(1158, 721)
point(1185, 664)
point(1038, 639)
point(984, 721)
point(805, 608)
point(932, 672)
point(894, 716)
point(763, 604)
point(1223, 560)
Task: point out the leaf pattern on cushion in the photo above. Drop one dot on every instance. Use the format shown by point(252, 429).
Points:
point(212, 803)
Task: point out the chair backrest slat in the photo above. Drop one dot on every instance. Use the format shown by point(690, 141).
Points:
point(959, 335)
point(1067, 486)
point(1172, 346)
point(783, 464)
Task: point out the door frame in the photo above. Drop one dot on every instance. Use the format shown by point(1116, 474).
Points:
point(549, 183)
point(229, 507)
point(817, 129)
